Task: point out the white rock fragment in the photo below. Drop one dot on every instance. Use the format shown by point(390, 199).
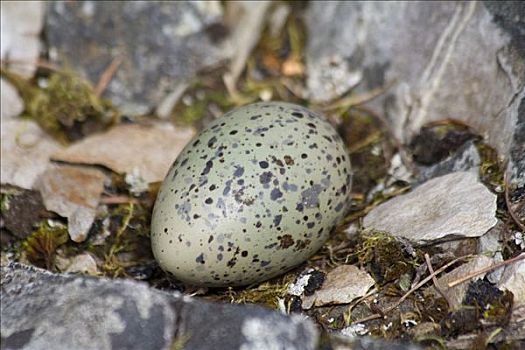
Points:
point(450, 206)
point(11, 103)
point(457, 293)
point(519, 239)
point(74, 193)
point(148, 150)
point(342, 285)
point(25, 152)
point(490, 243)
point(332, 77)
point(398, 170)
point(297, 288)
point(21, 23)
point(354, 330)
point(82, 263)
point(136, 183)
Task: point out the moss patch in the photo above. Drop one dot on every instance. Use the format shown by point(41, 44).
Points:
point(40, 247)
point(66, 106)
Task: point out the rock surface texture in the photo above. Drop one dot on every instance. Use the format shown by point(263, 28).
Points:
point(451, 206)
point(460, 60)
point(41, 310)
point(167, 44)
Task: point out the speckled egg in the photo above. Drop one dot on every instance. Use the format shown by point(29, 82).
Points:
point(255, 194)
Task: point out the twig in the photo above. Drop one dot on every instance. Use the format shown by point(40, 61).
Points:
point(105, 78)
point(485, 269)
point(508, 203)
point(119, 200)
point(39, 63)
point(435, 281)
point(416, 287)
point(355, 100)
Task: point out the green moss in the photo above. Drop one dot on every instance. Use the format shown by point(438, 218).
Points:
point(383, 255)
point(267, 293)
point(40, 247)
point(490, 170)
point(202, 95)
point(6, 194)
point(499, 311)
point(129, 242)
point(179, 342)
point(64, 105)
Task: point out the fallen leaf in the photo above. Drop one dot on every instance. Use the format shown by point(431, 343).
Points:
point(25, 152)
point(131, 149)
point(74, 193)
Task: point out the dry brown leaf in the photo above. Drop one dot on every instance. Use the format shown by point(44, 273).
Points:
point(25, 152)
point(131, 149)
point(74, 193)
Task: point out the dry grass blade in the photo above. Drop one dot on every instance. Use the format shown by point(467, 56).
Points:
point(119, 200)
point(355, 100)
point(105, 78)
point(484, 270)
point(435, 281)
point(412, 290)
point(40, 63)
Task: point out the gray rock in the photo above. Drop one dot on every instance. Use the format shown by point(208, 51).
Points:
point(343, 342)
point(21, 211)
point(41, 310)
point(513, 279)
point(161, 45)
point(461, 60)
point(447, 207)
point(20, 36)
point(457, 293)
point(342, 285)
point(466, 158)
point(11, 102)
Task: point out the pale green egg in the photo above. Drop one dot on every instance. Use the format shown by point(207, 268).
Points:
point(255, 194)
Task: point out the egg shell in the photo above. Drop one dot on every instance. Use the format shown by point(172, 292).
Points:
point(255, 194)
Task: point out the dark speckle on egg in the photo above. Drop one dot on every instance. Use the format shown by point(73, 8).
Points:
point(255, 194)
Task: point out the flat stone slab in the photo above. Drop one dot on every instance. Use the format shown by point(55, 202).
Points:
point(450, 206)
point(342, 285)
point(41, 310)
